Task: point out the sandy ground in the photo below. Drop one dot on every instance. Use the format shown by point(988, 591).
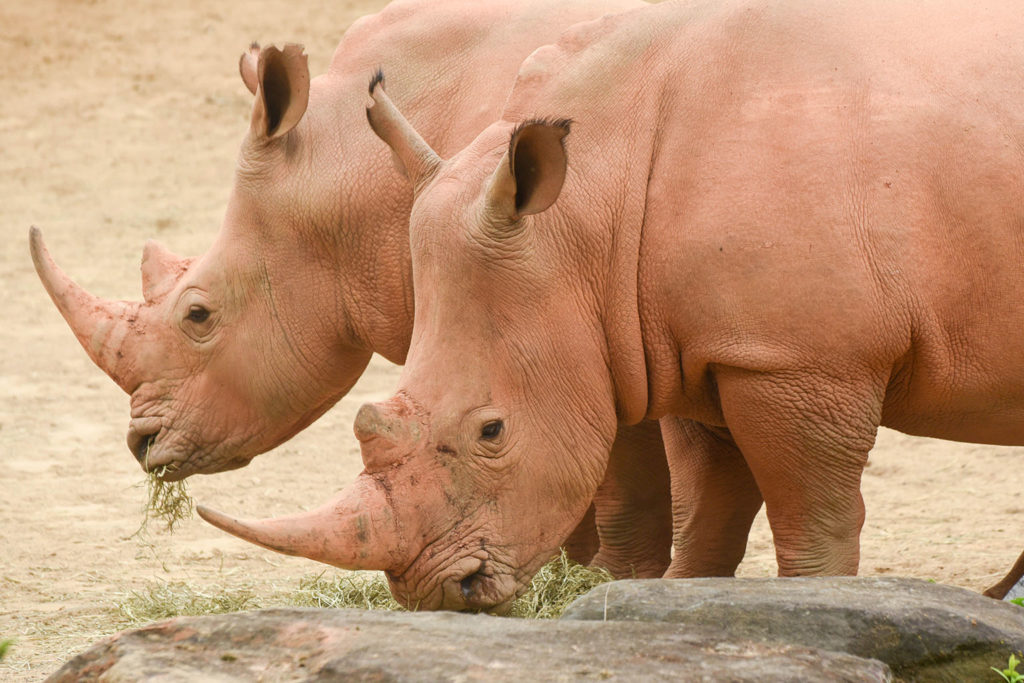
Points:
point(120, 124)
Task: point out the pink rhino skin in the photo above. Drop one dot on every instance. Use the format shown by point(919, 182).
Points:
point(781, 225)
point(234, 352)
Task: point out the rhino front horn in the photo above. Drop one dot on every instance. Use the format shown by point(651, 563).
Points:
point(355, 530)
point(102, 327)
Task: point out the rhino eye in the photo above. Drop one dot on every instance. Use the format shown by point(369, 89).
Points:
point(491, 430)
point(197, 314)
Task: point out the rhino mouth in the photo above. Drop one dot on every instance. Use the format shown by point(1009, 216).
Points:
point(488, 591)
point(477, 583)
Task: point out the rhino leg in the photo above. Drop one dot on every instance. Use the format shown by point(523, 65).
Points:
point(806, 437)
point(1000, 589)
point(714, 499)
point(633, 505)
point(631, 517)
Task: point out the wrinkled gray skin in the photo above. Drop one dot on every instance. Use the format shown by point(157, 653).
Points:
point(234, 352)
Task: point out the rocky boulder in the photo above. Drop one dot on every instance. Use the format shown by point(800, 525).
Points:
point(921, 630)
point(352, 645)
point(848, 629)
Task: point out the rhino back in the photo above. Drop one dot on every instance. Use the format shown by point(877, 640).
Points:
point(449, 64)
point(812, 181)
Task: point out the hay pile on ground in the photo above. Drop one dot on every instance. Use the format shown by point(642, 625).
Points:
point(177, 599)
point(554, 587)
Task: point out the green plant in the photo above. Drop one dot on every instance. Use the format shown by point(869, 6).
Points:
point(1010, 674)
point(5, 645)
point(1018, 601)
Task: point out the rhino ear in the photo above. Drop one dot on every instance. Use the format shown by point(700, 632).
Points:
point(531, 173)
point(282, 90)
point(248, 66)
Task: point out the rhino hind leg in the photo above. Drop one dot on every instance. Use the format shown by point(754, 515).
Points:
point(714, 499)
point(806, 438)
point(1000, 589)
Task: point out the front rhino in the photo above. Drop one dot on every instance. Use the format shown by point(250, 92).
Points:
point(472, 508)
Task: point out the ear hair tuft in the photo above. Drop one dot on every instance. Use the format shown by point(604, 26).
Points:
point(565, 124)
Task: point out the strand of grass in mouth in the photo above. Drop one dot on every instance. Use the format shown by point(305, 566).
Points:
point(166, 501)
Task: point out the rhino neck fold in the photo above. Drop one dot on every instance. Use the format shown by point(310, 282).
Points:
point(622, 322)
point(367, 231)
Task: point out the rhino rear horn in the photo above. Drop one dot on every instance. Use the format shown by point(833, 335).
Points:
point(413, 157)
point(1000, 589)
point(161, 270)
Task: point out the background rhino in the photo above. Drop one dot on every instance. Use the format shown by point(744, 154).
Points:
point(234, 352)
point(796, 222)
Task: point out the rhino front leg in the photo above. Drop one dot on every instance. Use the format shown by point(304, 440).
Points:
point(806, 437)
point(633, 506)
point(714, 499)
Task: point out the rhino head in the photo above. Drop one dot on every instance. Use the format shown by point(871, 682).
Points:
point(234, 352)
point(492, 449)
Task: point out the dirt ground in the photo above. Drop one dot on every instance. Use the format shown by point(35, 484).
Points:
point(121, 121)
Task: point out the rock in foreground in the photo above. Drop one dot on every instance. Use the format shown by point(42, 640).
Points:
point(353, 645)
point(921, 630)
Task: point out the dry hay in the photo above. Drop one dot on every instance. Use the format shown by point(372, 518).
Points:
point(359, 590)
point(166, 501)
point(555, 586)
point(163, 600)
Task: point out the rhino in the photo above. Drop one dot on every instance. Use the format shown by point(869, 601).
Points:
point(234, 352)
point(773, 227)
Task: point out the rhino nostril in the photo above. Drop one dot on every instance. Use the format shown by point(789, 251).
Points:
point(469, 584)
point(141, 445)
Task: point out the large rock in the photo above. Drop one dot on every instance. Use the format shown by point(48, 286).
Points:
point(920, 629)
point(352, 645)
